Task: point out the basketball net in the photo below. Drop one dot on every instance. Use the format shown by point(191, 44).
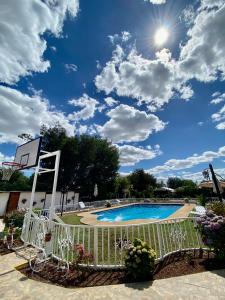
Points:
point(7, 169)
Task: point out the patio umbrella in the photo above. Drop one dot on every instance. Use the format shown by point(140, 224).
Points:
point(96, 190)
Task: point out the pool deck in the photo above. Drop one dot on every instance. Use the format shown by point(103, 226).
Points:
point(88, 218)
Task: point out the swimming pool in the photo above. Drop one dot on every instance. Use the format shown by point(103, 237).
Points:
point(138, 211)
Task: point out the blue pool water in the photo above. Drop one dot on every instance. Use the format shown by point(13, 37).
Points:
point(138, 211)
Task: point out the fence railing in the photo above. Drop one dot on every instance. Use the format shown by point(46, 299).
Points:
point(108, 244)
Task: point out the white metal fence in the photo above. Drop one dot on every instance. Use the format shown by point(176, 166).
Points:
point(108, 243)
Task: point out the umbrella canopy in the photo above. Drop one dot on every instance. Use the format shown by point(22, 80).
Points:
point(210, 184)
point(96, 190)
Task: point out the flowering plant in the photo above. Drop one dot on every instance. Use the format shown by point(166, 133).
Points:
point(212, 228)
point(140, 260)
point(81, 255)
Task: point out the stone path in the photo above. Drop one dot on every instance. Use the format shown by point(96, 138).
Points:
point(207, 285)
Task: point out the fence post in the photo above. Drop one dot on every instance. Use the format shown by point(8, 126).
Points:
point(159, 234)
point(95, 245)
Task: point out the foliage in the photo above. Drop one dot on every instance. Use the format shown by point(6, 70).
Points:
point(142, 183)
point(139, 260)
point(18, 182)
point(108, 204)
point(14, 218)
point(81, 255)
point(176, 182)
point(212, 228)
point(85, 161)
point(218, 208)
point(202, 200)
point(122, 185)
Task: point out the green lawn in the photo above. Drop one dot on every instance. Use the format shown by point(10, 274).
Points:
point(175, 236)
point(71, 219)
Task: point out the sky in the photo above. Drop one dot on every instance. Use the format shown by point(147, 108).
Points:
point(149, 75)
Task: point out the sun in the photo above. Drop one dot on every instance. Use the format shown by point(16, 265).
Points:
point(161, 36)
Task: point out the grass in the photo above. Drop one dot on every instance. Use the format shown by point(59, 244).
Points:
point(72, 219)
point(110, 253)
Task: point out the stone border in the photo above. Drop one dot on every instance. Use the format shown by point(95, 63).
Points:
point(88, 218)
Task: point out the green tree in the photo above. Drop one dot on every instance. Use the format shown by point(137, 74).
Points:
point(174, 182)
point(18, 182)
point(122, 186)
point(142, 183)
point(85, 161)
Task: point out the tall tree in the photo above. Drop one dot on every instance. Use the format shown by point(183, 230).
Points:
point(142, 182)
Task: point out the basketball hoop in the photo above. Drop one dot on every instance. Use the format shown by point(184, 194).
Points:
point(8, 168)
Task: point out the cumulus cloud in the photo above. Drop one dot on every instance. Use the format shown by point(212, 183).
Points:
point(130, 155)
point(110, 101)
point(22, 26)
point(156, 81)
point(70, 68)
point(117, 38)
point(152, 82)
point(202, 56)
point(88, 108)
point(4, 157)
point(179, 164)
point(128, 124)
point(21, 113)
point(219, 117)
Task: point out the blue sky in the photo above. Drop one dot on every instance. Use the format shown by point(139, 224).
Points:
point(97, 67)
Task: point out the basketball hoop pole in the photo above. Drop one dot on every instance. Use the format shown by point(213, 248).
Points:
point(40, 170)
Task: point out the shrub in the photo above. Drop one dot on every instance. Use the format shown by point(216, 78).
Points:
point(212, 228)
point(202, 200)
point(218, 208)
point(108, 204)
point(15, 218)
point(140, 260)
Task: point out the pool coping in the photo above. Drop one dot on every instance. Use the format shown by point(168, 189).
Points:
point(88, 218)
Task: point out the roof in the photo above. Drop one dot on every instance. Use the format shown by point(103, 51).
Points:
point(209, 184)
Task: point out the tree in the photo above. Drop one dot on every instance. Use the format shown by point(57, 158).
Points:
point(142, 183)
point(174, 182)
point(122, 186)
point(18, 182)
point(85, 161)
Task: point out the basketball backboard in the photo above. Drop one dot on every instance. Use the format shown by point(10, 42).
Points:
point(27, 154)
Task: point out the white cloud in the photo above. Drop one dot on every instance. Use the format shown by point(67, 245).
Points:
point(128, 124)
point(200, 123)
point(156, 1)
point(179, 164)
point(21, 113)
point(70, 68)
point(218, 117)
point(88, 106)
point(130, 155)
point(23, 24)
point(202, 56)
point(217, 98)
point(153, 82)
point(4, 157)
point(124, 36)
point(110, 101)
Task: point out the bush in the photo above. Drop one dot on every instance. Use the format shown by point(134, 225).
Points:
point(212, 228)
point(202, 200)
point(140, 260)
point(15, 218)
point(218, 208)
point(108, 204)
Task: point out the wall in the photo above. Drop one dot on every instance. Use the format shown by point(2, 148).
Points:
point(39, 196)
point(3, 203)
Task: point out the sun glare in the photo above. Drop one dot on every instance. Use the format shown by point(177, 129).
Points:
point(161, 36)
